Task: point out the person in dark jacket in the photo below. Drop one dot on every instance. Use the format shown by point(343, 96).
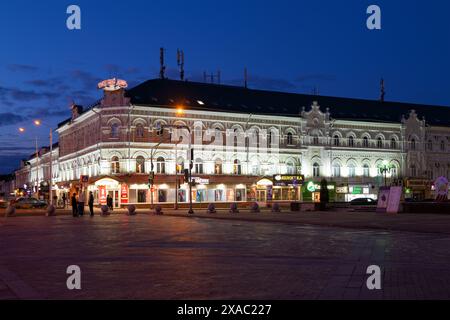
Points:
point(91, 203)
point(74, 205)
point(109, 202)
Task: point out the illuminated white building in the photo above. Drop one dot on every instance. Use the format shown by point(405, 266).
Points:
point(343, 140)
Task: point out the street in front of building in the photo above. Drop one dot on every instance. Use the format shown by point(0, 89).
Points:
point(171, 257)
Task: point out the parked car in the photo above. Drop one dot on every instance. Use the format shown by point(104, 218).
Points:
point(30, 203)
point(363, 202)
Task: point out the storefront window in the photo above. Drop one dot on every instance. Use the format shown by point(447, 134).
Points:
point(181, 195)
point(240, 193)
point(218, 195)
point(142, 196)
point(162, 195)
point(200, 196)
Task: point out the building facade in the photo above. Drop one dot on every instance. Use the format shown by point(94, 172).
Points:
point(248, 145)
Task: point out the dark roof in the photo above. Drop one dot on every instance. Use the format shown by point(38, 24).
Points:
point(227, 98)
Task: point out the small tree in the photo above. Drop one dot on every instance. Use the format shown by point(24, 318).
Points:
point(324, 196)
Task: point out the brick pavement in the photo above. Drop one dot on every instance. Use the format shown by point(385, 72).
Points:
point(165, 257)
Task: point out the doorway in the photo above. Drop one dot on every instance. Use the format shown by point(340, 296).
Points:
point(261, 195)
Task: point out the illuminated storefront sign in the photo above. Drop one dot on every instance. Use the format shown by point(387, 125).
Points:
point(312, 186)
point(342, 189)
point(284, 180)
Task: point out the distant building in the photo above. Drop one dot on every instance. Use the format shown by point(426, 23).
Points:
point(298, 140)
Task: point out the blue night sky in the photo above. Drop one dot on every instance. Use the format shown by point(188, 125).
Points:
point(286, 45)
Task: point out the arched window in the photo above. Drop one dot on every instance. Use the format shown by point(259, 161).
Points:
point(115, 165)
point(316, 140)
point(139, 131)
point(218, 166)
point(393, 143)
point(115, 130)
point(336, 141)
point(442, 146)
point(351, 170)
point(366, 170)
point(336, 170)
point(351, 141)
point(316, 170)
point(180, 165)
point(140, 164)
point(365, 142)
point(394, 171)
point(198, 166)
point(380, 143)
point(237, 167)
point(290, 139)
point(160, 165)
point(413, 144)
point(290, 168)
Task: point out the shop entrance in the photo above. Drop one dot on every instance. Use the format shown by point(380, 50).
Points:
point(114, 194)
point(261, 195)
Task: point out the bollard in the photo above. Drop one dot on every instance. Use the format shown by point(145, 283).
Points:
point(158, 210)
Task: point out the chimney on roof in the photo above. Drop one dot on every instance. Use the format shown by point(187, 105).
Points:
point(382, 93)
point(162, 69)
point(180, 63)
point(245, 77)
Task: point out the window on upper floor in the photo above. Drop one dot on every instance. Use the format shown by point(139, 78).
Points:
point(365, 142)
point(316, 170)
point(115, 165)
point(336, 170)
point(139, 131)
point(290, 139)
point(351, 141)
point(430, 145)
point(140, 164)
point(218, 166)
point(366, 170)
point(198, 166)
point(336, 141)
point(237, 167)
point(393, 143)
point(160, 165)
point(115, 130)
point(380, 143)
point(413, 144)
point(442, 146)
point(351, 170)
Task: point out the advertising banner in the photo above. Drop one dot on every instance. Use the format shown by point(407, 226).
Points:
point(124, 193)
point(383, 198)
point(102, 195)
point(395, 195)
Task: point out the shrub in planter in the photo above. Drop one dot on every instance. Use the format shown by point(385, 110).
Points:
point(51, 211)
point(105, 211)
point(211, 208)
point(276, 207)
point(10, 211)
point(234, 208)
point(254, 208)
point(131, 210)
point(158, 210)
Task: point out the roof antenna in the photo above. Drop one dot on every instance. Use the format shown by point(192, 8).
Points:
point(245, 77)
point(383, 93)
point(212, 77)
point(218, 76)
point(180, 63)
point(161, 62)
point(204, 76)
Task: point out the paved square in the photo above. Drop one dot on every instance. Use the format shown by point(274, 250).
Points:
point(166, 257)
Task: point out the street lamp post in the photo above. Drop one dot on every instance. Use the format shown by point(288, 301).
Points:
point(384, 168)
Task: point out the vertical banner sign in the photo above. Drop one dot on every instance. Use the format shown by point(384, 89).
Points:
point(124, 193)
point(102, 195)
point(395, 195)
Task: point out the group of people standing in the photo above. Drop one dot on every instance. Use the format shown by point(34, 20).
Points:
point(78, 202)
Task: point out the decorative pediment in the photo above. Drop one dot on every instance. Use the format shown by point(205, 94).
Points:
point(316, 120)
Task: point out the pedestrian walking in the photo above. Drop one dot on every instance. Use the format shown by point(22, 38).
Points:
point(81, 203)
point(91, 203)
point(109, 202)
point(64, 200)
point(74, 205)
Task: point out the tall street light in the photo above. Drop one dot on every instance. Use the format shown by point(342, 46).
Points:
point(22, 130)
point(38, 123)
point(384, 168)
